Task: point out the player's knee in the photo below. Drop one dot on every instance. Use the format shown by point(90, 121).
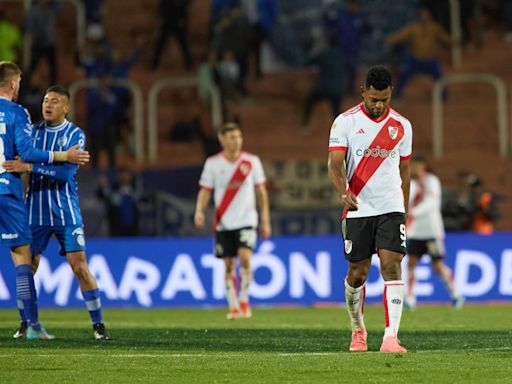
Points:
point(357, 277)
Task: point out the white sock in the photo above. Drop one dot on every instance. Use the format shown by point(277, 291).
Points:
point(447, 277)
point(245, 282)
point(355, 305)
point(231, 292)
point(411, 297)
point(393, 299)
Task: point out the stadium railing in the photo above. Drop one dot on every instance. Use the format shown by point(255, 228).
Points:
point(184, 82)
point(138, 106)
point(501, 110)
point(456, 32)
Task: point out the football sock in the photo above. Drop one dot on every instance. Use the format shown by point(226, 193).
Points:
point(231, 291)
point(26, 293)
point(411, 298)
point(245, 282)
point(355, 305)
point(93, 303)
point(21, 310)
point(393, 299)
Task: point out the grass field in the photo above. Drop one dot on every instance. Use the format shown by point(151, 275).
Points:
point(309, 345)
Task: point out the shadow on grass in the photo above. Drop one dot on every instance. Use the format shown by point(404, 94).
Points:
point(266, 340)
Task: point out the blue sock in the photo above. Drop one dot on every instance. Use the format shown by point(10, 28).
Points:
point(93, 303)
point(21, 310)
point(26, 293)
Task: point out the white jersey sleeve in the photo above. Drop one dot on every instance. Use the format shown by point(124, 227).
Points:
point(405, 147)
point(258, 173)
point(338, 139)
point(206, 181)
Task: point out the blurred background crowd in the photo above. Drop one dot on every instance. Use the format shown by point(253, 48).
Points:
point(151, 81)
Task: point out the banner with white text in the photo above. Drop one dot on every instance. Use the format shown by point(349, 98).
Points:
point(287, 271)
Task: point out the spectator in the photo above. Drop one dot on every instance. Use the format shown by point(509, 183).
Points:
point(329, 84)
point(505, 10)
point(121, 200)
point(102, 104)
point(481, 205)
point(422, 37)
point(41, 26)
point(173, 22)
point(95, 56)
point(207, 77)
point(31, 96)
point(94, 10)
point(10, 38)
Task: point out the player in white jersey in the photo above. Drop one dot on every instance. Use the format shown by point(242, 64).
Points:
point(425, 230)
point(369, 150)
point(238, 182)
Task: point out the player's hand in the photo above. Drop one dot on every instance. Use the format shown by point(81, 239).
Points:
point(199, 219)
point(16, 166)
point(77, 156)
point(265, 230)
point(349, 201)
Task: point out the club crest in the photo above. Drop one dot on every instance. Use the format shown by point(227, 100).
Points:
point(244, 169)
point(393, 132)
point(62, 141)
point(348, 246)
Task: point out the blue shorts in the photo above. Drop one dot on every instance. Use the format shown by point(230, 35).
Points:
point(71, 239)
point(14, 228)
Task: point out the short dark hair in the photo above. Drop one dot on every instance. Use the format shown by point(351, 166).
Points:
point(8, 70)
point(60, 90)
point(228, 127)
point(378, 77)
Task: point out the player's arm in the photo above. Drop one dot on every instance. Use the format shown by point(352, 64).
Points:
point(62, 172)
point(405, 175)
point(399, 37)
point(30, 154)
point(203, 199)
point(431, 200)
point(263, 205)
point(338, 176)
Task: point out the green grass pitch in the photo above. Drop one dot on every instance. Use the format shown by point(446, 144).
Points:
point(309, 345)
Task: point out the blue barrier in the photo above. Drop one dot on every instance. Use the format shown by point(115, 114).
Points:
point(287, 270)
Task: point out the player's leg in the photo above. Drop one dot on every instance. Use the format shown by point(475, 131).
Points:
point(226, 249)
point(390, 242)
point(358, 239)
point(246, 241)
point(90, 292)
point(410, 301)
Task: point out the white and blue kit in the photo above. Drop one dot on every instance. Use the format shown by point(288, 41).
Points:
point(52, 198)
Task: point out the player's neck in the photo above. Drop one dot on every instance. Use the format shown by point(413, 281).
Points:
point(55, 123)
point(232, 156)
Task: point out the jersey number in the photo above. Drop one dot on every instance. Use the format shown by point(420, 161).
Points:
point(403, 236)
point(2, 155)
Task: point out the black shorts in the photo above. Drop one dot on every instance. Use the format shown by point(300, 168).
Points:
point(432, 247)
point(364, 235)
point(227, 243)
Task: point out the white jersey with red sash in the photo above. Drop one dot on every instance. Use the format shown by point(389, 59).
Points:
point(233, 184)
point(374, 149)
point(426, 222)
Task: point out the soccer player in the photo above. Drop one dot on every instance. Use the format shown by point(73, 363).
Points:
point(15, 140)
point(369, 150)
point(53, 204)
point(425, 230)
point(238, 182)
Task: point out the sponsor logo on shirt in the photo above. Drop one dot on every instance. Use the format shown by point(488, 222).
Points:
point(376, 152)
point(9, 236)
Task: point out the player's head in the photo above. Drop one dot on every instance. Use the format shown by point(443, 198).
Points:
point(230, 137)
point(376, 91)
point(419, 166)
point(55, 105)
point(10, 78)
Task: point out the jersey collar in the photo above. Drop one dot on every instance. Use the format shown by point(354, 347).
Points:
point(57, 127)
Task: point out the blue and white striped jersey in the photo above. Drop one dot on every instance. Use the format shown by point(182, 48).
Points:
point(52, 197)
point(15, 140)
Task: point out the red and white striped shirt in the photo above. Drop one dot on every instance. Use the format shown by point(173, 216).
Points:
point(374, 149)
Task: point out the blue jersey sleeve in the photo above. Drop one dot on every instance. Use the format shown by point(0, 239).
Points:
point(23, 138)
point(65, 171)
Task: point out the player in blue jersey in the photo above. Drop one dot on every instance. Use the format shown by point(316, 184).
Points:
point(52, 201)
point(16, 141)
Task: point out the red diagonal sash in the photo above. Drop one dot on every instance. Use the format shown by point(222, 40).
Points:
point(236, 181)
point(387, 139)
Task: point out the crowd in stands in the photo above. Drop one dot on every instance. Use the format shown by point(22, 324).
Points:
point(337, 37)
